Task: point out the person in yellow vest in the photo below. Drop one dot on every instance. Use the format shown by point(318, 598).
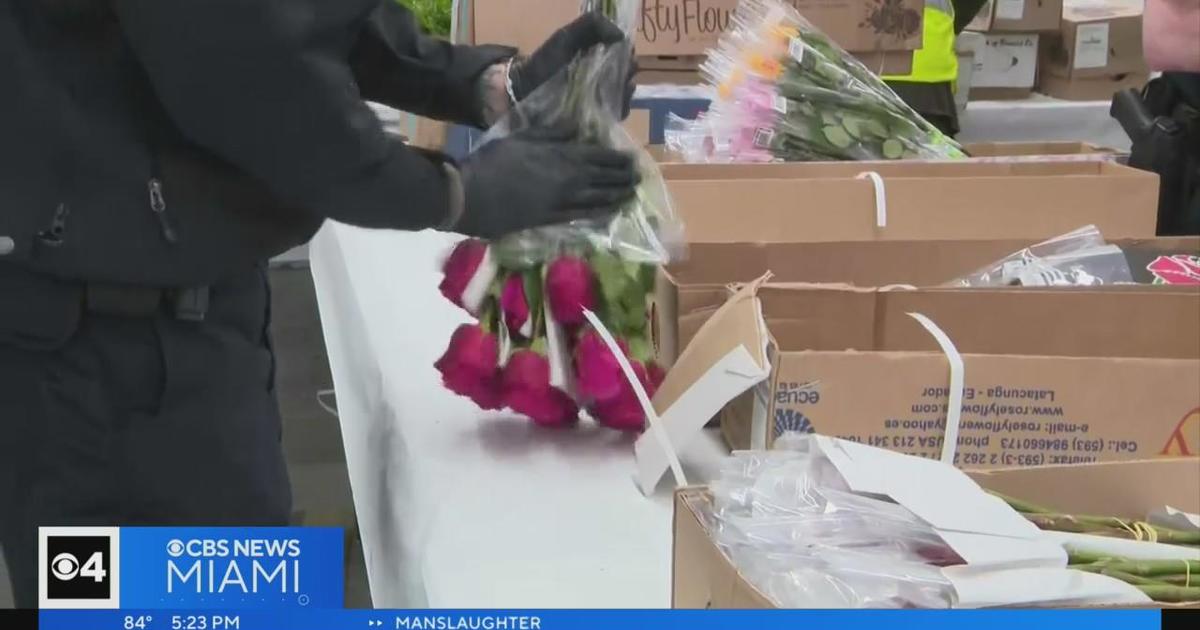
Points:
point(929, 88)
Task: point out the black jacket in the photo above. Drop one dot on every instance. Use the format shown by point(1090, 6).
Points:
point(166, 142)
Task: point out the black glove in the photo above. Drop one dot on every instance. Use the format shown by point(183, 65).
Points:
point(588, 30)
point(529, 180)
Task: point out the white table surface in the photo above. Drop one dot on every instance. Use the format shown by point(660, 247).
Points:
point(458, 509)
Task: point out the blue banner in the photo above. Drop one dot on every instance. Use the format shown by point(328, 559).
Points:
point(192, 568)
point(291, 619)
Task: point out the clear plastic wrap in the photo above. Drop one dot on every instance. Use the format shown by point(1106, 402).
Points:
point(1078, 258)
point(788, 92)
point(586, 99)
point(789, 523)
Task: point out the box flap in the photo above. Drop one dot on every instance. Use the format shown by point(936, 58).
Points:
point(970, 201)
point(727, 357)
point(1156, 321)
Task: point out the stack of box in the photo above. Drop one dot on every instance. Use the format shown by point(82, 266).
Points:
point(1097, 52)
point(1060, 370)
point(1079, 397)
point(1006, 58)
point(674, 35)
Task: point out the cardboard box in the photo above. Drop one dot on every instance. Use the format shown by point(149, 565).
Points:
point(1099, 38)
point(791, 202)
point(1090, 89)
point(688, 293)
point(1018, 16)
point(1017, 149)
point(1004, 60)
point(691, 27)
point(686, 70)
point(703, 577)
point(1052, 376)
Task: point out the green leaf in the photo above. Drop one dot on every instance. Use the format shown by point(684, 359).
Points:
point(538, 345)
point(852, 125)
point(892, 149)
point(838, 137)
point(877, 129)
point(610, 273)
point(640, 349)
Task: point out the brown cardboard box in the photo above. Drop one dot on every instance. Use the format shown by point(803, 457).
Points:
point(1099, 38)
point(925, 201)
point(703, 577)
point(1051, 375)
point(638, 126)
point(689, 292)
point(1018, 16)
point(1044, 151)
point(1090, 89)
point(691, 27)
point(686, 70)
point(983, 18)
point(1020, 149)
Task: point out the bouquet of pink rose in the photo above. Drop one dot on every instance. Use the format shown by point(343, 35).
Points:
point(533, 350)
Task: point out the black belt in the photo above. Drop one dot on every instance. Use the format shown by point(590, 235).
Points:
point(187, 304)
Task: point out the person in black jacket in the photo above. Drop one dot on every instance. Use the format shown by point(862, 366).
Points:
point(153, 154)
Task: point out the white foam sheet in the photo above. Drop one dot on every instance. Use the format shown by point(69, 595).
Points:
point(460, 509)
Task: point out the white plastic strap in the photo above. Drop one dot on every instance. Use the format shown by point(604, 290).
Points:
point(880, 196)
point(954, 412)
point(652, 418)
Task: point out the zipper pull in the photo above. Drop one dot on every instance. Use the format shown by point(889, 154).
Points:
point(158, 204)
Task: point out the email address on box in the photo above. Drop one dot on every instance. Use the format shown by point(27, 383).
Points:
point(468, 622)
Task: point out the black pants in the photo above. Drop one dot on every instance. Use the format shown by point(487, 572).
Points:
point(138, 421)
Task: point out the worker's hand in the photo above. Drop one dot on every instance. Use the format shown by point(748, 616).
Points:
point(530, 180)
point(588, 30)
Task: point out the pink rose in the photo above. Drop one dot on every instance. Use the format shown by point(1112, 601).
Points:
point(525, 388)
point(468, 273)
point(656, 375)
point(469, 366)
point(515, 306)
point(570, 288)
point(624, 413)
point(598, 374)
point(1178, 269)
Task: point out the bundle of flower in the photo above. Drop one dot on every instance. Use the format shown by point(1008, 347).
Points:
point(1173, 580)
point(785, 91)
point(533, 351)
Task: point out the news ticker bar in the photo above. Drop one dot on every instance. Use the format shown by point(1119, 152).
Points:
point(329, 619)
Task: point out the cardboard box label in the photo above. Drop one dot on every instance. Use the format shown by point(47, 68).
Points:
point(1010, 9)
point(690, 27)
point(1091, 45)
point(667, 22)
point(1008, 61)
point(1004, 423)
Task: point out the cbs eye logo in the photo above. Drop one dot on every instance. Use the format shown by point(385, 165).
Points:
point(77, 568)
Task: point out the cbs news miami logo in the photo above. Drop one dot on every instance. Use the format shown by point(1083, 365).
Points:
point(78, 567)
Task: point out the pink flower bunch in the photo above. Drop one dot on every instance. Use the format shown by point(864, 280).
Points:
point(533, 351)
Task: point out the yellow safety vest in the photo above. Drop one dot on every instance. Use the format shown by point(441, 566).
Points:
point(935, 61)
